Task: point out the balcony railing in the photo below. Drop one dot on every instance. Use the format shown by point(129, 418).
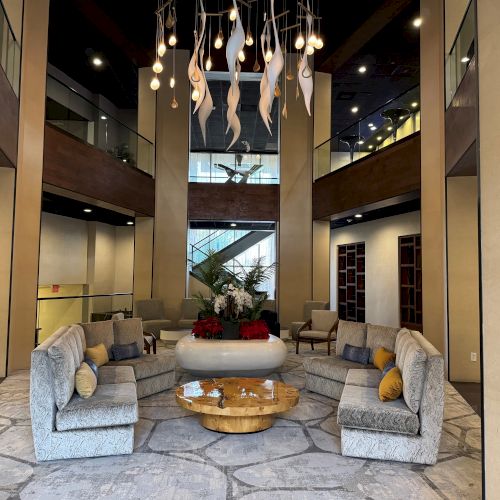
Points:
point(461, 54)
point(70, 111)
point(395, 120)
point(10, 52)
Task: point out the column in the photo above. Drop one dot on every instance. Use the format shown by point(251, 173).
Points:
point(28, 184)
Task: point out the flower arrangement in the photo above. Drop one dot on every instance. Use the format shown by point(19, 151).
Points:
point(232, 303)
point(251, 330)
point(209, 328)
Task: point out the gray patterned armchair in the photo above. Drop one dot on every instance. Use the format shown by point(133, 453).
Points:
point(153, 316)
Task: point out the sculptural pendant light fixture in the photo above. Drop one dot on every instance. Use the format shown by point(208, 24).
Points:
point(256, 65)
point(305, 72)
point(173, 103)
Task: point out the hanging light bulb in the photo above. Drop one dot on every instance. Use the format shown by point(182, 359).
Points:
point(155, 83)
point(311, 41)
point(172, 82)
point(269, 55)
point(277, 90)
point(310, 50)
point(172, 40)
point(157, 67)
point(236, 74)
point(249, 39)
point(299, 42)
point(319, 43)
point(241, 56)
point(173, 103)
point(195, 95)
point(218, 40)
point(208, 64)
point(232, 14)
point(162, 48)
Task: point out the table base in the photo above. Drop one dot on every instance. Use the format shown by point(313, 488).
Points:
point(237, 425)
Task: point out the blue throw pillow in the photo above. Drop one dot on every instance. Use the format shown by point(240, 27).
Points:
point(92, 365)
point(125, 351)
point(356, 354)
point(388, 367)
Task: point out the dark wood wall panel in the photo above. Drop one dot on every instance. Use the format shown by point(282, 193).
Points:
point(461, 118)
point(394, 171)
point(243, 202)
point(9, 123)
point(71, 164)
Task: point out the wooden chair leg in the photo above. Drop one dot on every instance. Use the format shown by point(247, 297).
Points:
point(328, 348)
point(297, 347)
point(312, 344)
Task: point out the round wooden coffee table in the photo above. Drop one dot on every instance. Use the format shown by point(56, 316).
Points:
point(237, 405)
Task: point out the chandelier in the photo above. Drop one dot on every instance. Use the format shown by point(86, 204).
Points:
point(275, 44)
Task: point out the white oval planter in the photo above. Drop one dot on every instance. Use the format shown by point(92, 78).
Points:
point(230, 358)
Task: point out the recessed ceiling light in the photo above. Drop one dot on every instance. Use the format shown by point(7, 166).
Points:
point(361, 142)
point(379, 138)
point(373, 128)
point(358, 216)
point(349, 220)
point(417, 22)
point(389, 128)
point(103, 117)
point(362, 69)
point(354, 109)
point(87, 210)
point(233, 224)
point(414, 104)
point(371, 125)
point(370, 146)
point(97, 61)
point(130, 223)
point(124, 160)
point(465, 59)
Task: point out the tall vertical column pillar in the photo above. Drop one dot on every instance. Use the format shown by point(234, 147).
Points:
point(488, 39)
point(172, 162)
point(28, 184)
point(295, 227)
point(433, 213)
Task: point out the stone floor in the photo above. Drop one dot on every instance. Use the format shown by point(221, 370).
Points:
point(297, 459)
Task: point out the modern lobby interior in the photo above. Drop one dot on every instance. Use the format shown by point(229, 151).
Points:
point(249, 249)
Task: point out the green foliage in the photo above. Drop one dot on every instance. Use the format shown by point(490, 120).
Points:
point(258, 274)
point(212, 272)
point(205, 304)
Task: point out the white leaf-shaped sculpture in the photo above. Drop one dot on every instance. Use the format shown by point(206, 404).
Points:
point(234, 45)
point(233, 97)
point(264, 86)
point(275, 65)
point(207, 105)
point(194, 72)
point(236, 128)
point(202, 86)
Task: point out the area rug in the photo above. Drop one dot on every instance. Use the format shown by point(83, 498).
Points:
point(297, 459)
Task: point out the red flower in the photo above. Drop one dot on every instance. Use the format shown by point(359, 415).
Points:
point(208, 328)
point(251, 330)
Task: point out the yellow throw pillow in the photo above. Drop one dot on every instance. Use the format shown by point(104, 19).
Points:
point(98, 354)
point(382, 357)
point(85, 381)
point(391, 386)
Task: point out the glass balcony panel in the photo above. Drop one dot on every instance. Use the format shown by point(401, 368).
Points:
point(10, 52)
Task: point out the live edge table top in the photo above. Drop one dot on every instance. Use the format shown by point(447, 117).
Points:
point(237, 397)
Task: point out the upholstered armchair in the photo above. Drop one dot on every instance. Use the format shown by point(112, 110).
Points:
point(189, 311)
point(322, 327)
point(309, 305)
point(153, 316)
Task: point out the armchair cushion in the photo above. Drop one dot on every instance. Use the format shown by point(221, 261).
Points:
point(149, 365)
point(350, 332)
point(313, 334)
point(190, 309)
point(128, 331)
point(154, 326)
point(150, 309)
point(323, 320)
point(99, 332)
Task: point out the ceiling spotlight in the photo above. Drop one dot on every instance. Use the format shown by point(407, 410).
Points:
point(157, 67)
point(371, 125)
point(218, 40)
point(354, 109)
point(299, 42)
point(87, 210)
point(389, 128)
point(414, 104)
point(361, 142)
point(232, 14)
point(162, 48)
point(417, 22)
point(155, 83)
point(241, 56)
point(130, 223)
point(358, 216)
point(465, 59)
point(104, 117)
point(379, 138)
point(172, 40)
point(97, 61)
point(370, 146)
point(373, 129)
point(362, 69)
point(269, 55)
point(310, 50)
point(172, 82)
point(233, 224)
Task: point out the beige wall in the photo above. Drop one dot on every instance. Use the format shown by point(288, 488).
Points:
point(381, 263)
point(7, 186)
point(124, 265)
point(488, 14)
point(14, 11)
point(454, 14)
point(433, 173)
point(143, 257)
point(28, 184)
point(172, 157)
point(321, 260)
point(295, 226)
point(463, 279)
point(322, 107)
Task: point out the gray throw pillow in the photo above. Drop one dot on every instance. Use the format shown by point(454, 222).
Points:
point(414, 367)
point(125, 351)
point(356, 354)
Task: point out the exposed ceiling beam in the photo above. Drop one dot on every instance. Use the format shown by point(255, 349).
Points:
point(359, 38)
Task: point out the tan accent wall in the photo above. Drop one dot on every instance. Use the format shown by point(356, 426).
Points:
point(295, 227)
point(7, 186)
point(433, 173)
point(463, 279)
point(14, 10)
point(321, 260)
point(322, 107)
point(28, 184)
point(143, 257)
point(172, 158)
point(488, 14)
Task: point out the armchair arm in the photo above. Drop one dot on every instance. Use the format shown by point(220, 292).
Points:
point(149, 341)
point(306, 326)
point(333, 329)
